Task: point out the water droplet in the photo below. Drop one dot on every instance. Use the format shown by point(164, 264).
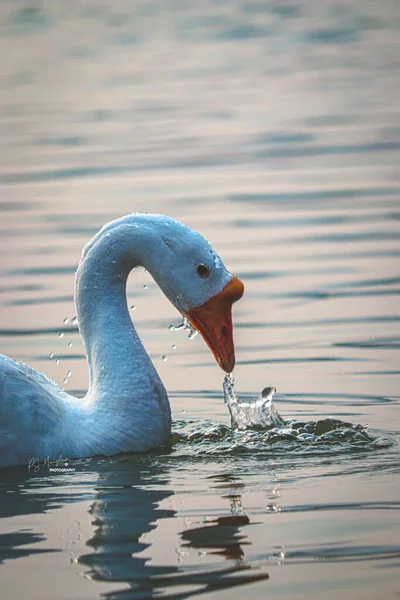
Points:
point(61, 334)
point(272, 508)
point(164, 357)
point(66, 320)
point(57, 361)
point(173, 346)
point(70, 345)
point(133, 307)
point(145, 287)
point(69, 373)
point(65, 380)
point(74, 320)
point(193, 334)
point(51, 354)
point(177, 327)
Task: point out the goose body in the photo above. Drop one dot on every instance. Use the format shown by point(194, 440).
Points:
point(126, 408)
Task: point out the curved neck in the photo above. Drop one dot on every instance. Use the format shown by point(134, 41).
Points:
point(117, 359)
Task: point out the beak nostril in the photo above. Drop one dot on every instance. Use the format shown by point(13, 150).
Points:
point(224, 331)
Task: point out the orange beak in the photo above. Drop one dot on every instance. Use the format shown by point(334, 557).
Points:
point(214, 321)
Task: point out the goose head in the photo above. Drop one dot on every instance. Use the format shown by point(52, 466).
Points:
point(198, 284)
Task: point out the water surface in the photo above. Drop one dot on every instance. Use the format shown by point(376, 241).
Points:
point(272, 128)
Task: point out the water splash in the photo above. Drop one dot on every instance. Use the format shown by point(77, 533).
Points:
point(327, 437)
point(185, 326)
point(251, 413)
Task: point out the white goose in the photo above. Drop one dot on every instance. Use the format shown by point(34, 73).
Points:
point(126, 408)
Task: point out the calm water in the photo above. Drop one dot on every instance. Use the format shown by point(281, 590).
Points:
point(273, 129)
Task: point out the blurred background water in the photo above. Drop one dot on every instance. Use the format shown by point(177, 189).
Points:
point(272, 127)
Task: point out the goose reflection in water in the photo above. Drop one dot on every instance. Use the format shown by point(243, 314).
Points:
point(223, 535)
point(127, 498)
point(122, 515)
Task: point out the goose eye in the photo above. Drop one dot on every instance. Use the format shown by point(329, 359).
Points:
point(203, 271)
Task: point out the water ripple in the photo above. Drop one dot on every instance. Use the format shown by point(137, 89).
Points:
point(326, 437)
